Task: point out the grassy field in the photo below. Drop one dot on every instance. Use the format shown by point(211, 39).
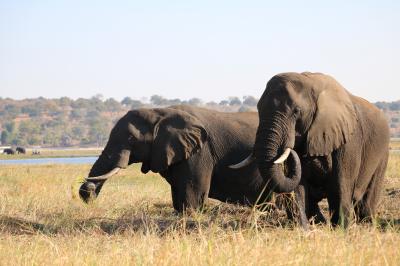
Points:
point(395, 144)
point(133, 222)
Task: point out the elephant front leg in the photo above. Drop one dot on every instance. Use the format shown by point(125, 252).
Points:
point(190, 185)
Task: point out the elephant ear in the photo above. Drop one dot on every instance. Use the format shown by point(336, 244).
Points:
point(334, 120)
point(176, 138)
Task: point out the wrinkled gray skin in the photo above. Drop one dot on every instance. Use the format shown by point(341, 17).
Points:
point(191, 148)
point(342, 141)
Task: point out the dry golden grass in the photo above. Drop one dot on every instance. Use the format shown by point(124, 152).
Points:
point(394, 144)
point(132, 222)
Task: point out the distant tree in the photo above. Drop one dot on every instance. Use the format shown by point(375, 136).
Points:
point(12, 110)
point(93, 115)
point(127, 101)
point(50, 106)
point(98, 134)
point(158, 100)
point(244, 108)
point(77, 114)
point(174, 102)
point(81, 103)
point(250, 101)
point(29, 127)
point(96, 104)
point(394, 106)
point(34, 140)
point(5, 137)
point(78, 132)
point(50, 139)
point(10, 127)
point(112, 105)
point(224, 102)
point(136, 104)
point(195, 101)
point(98, 96)
point(65, 101)
point(66, 140)
point(380, 105)
point(234, 101)
point(31, 111)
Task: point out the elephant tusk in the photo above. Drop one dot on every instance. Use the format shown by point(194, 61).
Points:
point(283, 157)
point(243, 163)
point(103, 177)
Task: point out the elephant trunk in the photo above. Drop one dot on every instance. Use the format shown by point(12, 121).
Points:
point(102, 169)
point(271, 140)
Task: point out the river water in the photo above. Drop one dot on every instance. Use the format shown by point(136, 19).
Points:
point(62, 160)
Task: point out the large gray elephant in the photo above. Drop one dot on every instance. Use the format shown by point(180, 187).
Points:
point(342, 141)
point(190, 147)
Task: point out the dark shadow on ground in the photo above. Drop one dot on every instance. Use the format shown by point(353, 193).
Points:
point(386, 224)
point(160, 220)
point(18, 226)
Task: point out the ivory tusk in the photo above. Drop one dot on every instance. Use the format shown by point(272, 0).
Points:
point(103, 177)
point(243, 163)
point(283, 157)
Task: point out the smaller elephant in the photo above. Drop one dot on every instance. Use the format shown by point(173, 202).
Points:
point(9, 151)
point(21, 150)
point(191, 148)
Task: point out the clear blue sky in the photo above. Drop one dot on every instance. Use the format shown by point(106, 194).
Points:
point(184, 49)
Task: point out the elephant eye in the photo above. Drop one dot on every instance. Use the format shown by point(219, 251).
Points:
point(296, 110)
point(276, 102)
point(131, 139)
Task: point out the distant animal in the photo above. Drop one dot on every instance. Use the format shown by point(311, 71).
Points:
point(21, 150)
point(342, 141)
point(190, 147)
point(9, 151)
point(35, 152)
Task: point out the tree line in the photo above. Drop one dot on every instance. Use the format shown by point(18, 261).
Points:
point(66, 122)
point(87, 122)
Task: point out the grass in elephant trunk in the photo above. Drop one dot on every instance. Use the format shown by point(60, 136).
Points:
point(132, 221)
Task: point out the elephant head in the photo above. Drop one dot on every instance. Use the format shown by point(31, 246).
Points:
point(307, 112)
point(158, 138)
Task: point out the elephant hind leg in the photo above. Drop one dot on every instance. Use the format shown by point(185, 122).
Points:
point(366, 207)
point(314, 212)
